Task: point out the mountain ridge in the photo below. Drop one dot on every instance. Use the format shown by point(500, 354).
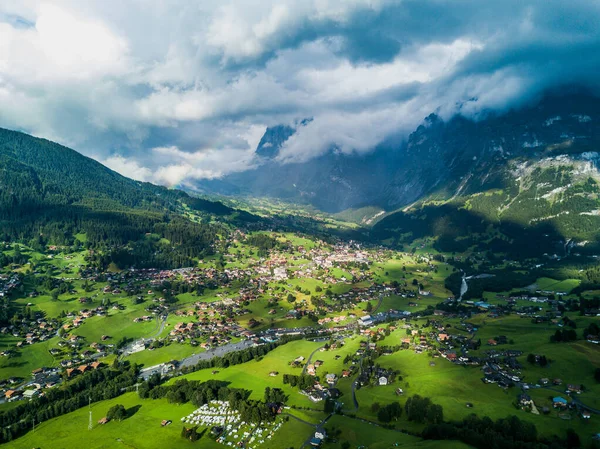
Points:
point(441, 158)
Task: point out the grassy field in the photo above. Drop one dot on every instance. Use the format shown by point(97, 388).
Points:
point(555, 285)
point(364, 434)
point(174, 351)
point(255, 376)
point(141, 430)
point(452, 386)
point(27, 359)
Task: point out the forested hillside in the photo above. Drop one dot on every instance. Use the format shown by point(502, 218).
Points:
point(50, 193)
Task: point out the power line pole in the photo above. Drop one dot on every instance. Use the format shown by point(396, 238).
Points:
point(90, 426)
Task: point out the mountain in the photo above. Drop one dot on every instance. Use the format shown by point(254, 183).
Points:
point(51, 194)
point(441, 158)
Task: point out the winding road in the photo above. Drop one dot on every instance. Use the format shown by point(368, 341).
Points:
point(310, 358)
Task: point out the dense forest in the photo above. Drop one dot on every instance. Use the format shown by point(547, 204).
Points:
point(50, 193)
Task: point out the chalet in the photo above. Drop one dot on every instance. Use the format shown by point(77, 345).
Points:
point(559, 402)
point(315, 442)
point(383, 380)
point(593, 339)
point(30, 394)
point(574, 388)
point(525, 400)
point(12, 395)
point(451, 356)
point(310, 370)
point(103, 420)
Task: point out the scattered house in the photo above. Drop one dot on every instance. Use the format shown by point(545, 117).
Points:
point(331, 378)
point(30, 394)
point(310, 370)
point(559, 402)
point(399, 391)
point(315, 442)
point(320, 434)
point(103, 420)
point(525, 400)
point(95, 365)
point(383, 380)
point(12, 395)
point(585, 414)
point(574, 388)
point(273, 373)
point(165, 422)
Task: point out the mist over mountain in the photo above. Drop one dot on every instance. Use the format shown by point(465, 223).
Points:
point(441, 158)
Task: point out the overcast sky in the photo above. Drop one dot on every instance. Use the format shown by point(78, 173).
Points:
point(171, 91)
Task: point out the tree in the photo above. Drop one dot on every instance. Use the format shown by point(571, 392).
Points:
point(117, 413)
point(291, 298)
point(369, 307)
point(54, 294)
point(329, 406)
point(573, 440)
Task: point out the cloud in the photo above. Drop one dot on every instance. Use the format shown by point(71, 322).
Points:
point(129, 168)
point(172, 91)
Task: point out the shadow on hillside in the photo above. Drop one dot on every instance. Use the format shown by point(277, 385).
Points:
point(132, 411)
point(459, 229)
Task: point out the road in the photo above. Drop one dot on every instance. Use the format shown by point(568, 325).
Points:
point(161, 326)
point(379, 302)
point(195, 358)
point(317, 427)
point(354, 400)
point(309, 359)
point(300, 420)
point(217, 352)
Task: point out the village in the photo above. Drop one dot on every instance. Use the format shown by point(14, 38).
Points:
point(339, 295)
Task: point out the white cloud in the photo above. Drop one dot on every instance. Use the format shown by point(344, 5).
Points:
point(173, 90)
point(128, 167)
